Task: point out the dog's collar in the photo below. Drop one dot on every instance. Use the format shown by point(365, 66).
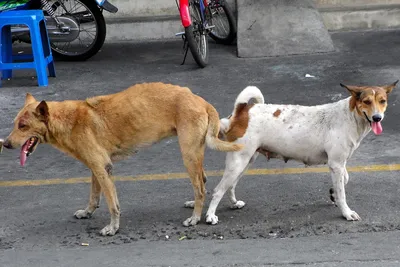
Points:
point(367, 118)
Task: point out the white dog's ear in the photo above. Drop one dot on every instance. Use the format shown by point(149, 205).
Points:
point(354, 90)
point(389, 88)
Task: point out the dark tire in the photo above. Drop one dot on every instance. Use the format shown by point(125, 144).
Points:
point(196, 37)
point(98, 42)
point(223, 19)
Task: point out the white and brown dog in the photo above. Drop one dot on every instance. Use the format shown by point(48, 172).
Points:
point(314, 135)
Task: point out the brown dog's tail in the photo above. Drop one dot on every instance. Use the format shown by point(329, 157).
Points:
point(212, 134)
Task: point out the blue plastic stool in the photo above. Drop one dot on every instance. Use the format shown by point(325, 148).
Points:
point(42, 57)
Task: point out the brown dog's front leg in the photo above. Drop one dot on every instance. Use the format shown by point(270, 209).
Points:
point(94, 200)
point(108, 188)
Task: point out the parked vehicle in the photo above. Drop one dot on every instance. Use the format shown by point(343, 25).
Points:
point(206, 17)
point(76, 28)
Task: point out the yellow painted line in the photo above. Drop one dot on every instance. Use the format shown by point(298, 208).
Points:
point(171, 176)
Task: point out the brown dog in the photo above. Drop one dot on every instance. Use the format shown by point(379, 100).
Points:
point(104, 129)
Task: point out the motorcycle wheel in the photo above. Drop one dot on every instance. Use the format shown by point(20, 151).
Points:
point(92, 30)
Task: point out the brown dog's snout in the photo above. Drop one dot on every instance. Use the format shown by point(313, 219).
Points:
point(7, 144)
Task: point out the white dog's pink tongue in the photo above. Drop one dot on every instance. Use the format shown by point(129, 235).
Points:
point(376, 127)
point(22, 156)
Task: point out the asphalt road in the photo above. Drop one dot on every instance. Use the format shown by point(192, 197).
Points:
point(288, 219)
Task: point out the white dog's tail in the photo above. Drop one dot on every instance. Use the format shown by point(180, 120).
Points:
point(249, 94)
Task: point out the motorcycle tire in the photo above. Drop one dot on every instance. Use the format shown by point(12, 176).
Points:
point(100, 37)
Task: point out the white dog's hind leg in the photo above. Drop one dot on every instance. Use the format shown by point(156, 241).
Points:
point(238, 204)
point(236, 162)
point(338, 172)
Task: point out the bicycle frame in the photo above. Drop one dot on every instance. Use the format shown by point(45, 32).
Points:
point(184, 11)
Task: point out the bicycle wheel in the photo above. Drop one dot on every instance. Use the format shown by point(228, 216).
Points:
point(224, 21)
point(196, 35)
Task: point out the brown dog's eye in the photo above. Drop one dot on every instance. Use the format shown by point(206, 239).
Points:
point(367, 102)
point(383, 101)
point(21, 126)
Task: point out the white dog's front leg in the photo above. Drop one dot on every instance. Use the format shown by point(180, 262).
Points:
point(338, 172)
point(346, 176)
point(332, 191)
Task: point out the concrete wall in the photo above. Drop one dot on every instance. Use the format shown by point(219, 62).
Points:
point(159, 19)
point(354, 3)
point(146, 8)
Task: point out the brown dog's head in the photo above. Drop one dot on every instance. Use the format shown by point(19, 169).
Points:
point(370, 102)
point(30, 127)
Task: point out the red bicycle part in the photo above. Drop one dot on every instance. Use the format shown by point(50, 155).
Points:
point(184, 12)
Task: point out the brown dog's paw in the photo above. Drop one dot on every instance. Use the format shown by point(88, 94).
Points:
point(82, 214)
point(110, 229)
point(191, 221)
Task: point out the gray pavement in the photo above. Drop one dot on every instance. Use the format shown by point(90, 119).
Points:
point(288, 219)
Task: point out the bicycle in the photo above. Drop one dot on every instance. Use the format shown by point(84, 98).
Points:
point(197, 18)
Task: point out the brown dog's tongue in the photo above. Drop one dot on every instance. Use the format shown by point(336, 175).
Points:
point(376, 127)
point(22, 156)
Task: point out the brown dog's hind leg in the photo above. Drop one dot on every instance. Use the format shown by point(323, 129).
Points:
point(94, 200)
point(190, 203)
point(195, 170)
point(192, 144)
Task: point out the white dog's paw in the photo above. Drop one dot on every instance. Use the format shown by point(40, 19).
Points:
point(238, 205)
point(189, 204)
point(211, 219)
point(82, 214)
point(110, 229)
point(191, 221)
point(351, 215)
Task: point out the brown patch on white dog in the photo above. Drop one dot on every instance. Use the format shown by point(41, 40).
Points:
point(277, 113)
point(239, 122)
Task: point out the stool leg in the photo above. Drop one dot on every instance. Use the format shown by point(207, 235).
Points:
point(52, 69)
point(6, 50)
point(38, 54)
point(46, 48)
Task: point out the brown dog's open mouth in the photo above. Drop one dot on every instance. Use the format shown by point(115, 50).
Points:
point(28, 148)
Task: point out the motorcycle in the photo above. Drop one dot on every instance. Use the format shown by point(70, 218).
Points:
point(76, 28)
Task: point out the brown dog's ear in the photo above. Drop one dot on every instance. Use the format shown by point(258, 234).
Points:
point(354, 90)
point(389, 88)
point(42, 111)
point(29, 99)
